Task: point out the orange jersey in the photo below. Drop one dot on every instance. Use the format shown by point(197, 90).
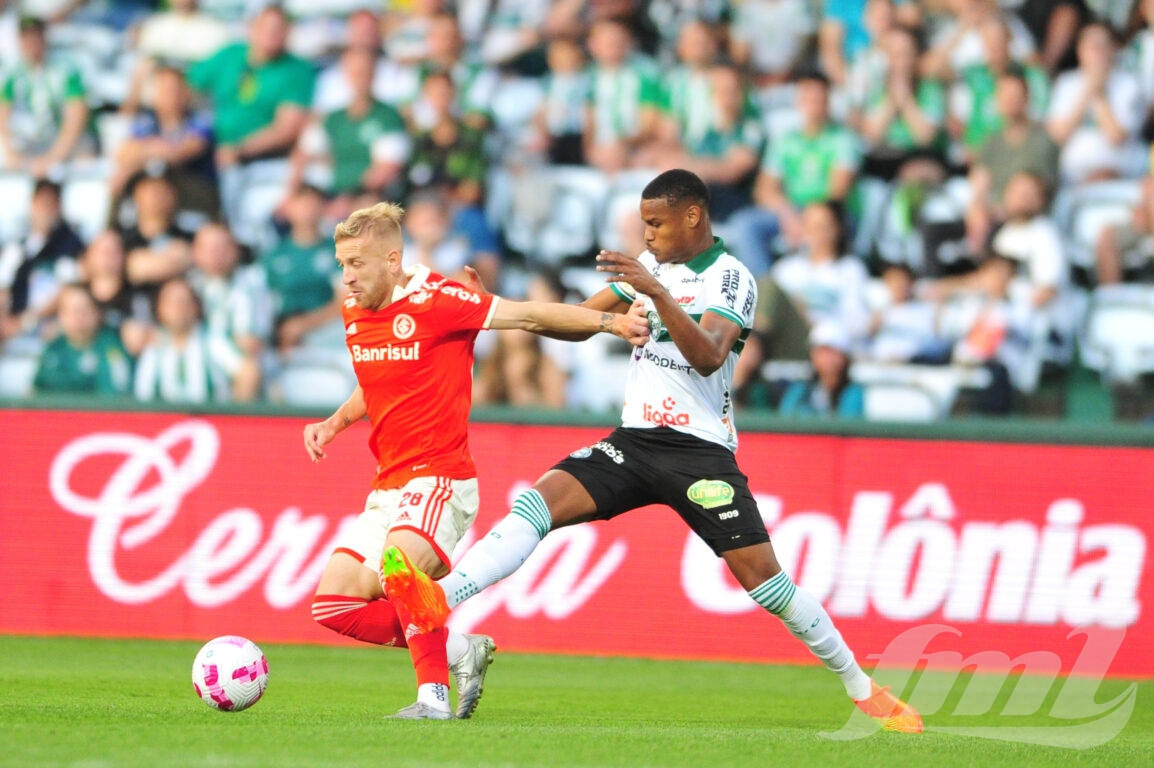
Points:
point(414, 362)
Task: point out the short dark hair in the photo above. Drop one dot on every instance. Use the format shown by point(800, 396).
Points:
point(47, 185)
point(676, 187)
point(1015, 71)
point(82, 288)
point(32, 24)
point(812, 75)
point(311, 189)
point(143, 177)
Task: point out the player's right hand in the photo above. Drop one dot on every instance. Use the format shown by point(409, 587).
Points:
point(316, 436)
point(633, 326)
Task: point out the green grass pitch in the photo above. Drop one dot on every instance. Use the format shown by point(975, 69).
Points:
point(95, 703)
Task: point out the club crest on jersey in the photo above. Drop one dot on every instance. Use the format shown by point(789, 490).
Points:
point(655, 324)
point(404, 326)
point(582, 453)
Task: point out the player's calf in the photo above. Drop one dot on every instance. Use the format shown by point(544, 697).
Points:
point(405, 583)
point(370, 621)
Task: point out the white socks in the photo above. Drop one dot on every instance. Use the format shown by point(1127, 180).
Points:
point(436, 695)
point(501, 551)
point(806, 620)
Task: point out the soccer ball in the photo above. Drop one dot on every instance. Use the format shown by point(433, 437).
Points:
point(230, 673)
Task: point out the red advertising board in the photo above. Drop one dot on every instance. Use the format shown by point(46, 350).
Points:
point(171, 526)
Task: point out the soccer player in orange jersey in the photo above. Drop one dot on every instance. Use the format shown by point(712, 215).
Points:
point(410, 333)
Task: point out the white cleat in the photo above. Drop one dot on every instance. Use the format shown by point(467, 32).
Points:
point(469, 672)
point(421, 711)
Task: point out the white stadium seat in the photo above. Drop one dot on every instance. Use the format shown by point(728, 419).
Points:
point(16, 194)
point(86, 200)
point(16, 374)
point(306, 385)
point(1118, 339)
point(901, 402)
point(1083, 212)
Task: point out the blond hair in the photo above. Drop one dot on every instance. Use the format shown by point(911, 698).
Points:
point(382, 220)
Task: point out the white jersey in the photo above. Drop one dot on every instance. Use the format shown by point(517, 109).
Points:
point(662, 389)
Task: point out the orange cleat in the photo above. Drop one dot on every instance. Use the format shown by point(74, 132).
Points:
point(893, 713)
point(410, 585)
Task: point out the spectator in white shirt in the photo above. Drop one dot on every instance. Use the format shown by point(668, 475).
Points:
point(1096, 112)
point(819, 279)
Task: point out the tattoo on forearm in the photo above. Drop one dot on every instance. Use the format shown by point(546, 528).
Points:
point(347, 420)
point(606, 322)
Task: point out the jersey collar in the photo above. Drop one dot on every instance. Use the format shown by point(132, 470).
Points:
point(705, 259)
point(417, 276)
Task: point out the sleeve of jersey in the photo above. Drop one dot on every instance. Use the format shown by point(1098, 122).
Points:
point(467, 309)
point(732, 293)
point(627, 292)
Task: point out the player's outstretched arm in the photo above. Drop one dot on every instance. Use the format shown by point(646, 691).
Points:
point(567, 320)
point(322, 433)
point(705, 345)
point(602, 301)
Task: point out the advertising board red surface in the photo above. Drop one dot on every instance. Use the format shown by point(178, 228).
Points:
point(171, 526)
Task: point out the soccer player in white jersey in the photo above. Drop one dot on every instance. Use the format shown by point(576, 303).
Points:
point(676, 443)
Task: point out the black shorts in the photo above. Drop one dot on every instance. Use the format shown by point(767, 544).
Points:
point(700, 480)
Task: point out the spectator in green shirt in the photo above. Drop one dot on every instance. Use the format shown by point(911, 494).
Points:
point(726, 153)
point(365, 145)
point(1020, 144)
point(903, 120)
point(302, 273)
point(87, 357)
point(817, 162)
point(43, 113)
point(625, 103)
point(974, 114)
point(260, 96)
point(259, 92)
point(450, 154)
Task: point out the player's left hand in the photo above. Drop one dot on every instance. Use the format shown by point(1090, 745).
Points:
point(627, 269)
point(633, 326)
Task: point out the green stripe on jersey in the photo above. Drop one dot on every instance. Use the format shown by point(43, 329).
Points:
point(624, 291)
point(728, 314)
point(738, 345)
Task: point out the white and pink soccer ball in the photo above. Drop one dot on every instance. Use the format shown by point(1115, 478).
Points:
point(230, 673)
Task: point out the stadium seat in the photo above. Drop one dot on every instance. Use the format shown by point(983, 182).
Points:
point(939, 383)
point(253, 223)
point(778, 122)
point(891, 401)
point(515, 102)
point(16, 192)
point(17, 370)
point(86, 200)
point(554, 213)
point(112, 128)
point(1083, 212)
point(310, 385)
point(598, 375)
point(303, 9)
point(1118, 340)
point(624, 201)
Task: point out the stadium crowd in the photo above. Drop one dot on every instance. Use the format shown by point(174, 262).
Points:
point(944, 201)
